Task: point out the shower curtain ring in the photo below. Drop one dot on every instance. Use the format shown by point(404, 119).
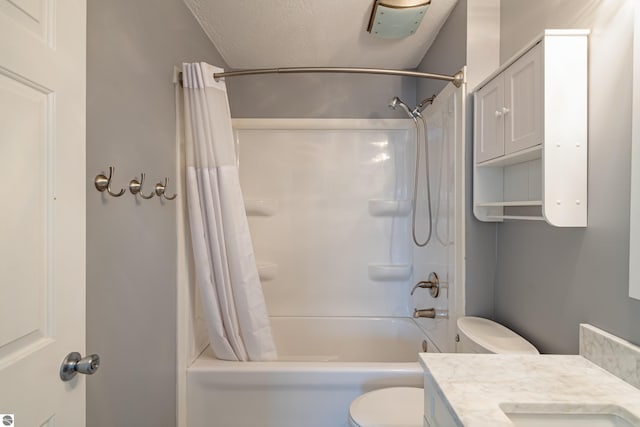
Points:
point(103, 183)
point(160, 190)
point(135, 187)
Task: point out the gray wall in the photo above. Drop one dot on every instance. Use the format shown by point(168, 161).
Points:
point(318, 95)
point(447, 55)
point(132, 47)
point(551, 279)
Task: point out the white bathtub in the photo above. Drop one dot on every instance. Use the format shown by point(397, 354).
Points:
point(325, 363)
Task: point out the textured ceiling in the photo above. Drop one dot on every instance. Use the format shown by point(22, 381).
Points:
point(294, 33)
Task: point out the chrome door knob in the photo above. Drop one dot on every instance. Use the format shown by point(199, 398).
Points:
point(74, 363)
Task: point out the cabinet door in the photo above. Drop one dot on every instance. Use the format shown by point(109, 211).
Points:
point(523, 102)
point(489, 132)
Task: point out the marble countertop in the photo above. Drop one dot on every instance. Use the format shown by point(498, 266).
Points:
point(478, 388)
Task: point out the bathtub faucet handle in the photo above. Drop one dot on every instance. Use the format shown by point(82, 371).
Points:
point(433, 284)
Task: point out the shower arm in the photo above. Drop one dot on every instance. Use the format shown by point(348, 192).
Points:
point(423, 104)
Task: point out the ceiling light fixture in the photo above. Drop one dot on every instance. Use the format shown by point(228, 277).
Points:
point(396, 19)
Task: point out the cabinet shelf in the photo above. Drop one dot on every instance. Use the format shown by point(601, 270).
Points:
point(508, 204)
point(522, 156)
point(519, 217)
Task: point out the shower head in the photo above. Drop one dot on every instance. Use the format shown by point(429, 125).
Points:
point(395, 102)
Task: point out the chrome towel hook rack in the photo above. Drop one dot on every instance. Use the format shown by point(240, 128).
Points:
point(103, 183)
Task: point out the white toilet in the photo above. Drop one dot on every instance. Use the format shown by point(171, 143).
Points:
point(403, 406)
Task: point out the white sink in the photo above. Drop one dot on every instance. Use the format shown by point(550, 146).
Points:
point(567, 420)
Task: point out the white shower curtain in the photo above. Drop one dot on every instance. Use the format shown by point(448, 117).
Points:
point(225, 265)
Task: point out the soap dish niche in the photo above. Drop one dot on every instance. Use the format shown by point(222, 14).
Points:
point(260, 207)
point(382, 207)
point(267, 271)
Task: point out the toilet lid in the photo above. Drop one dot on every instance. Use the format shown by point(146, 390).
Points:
point(389, 407)
point(494, 337)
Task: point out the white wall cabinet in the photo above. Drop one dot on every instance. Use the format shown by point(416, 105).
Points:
point(523, 93)
point(509, 108)
point(530, 133)
point(489, 120)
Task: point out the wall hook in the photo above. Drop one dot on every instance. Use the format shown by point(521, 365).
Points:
point(160, 190)
point(103, 183)
point(135, 187)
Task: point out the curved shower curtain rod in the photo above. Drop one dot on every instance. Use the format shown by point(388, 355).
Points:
point(457, 79)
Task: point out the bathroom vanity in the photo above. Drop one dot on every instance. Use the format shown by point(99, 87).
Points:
point(474, 390)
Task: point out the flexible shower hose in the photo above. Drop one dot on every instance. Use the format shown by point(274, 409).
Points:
point(415, 182)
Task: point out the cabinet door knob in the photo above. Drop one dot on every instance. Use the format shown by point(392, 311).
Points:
point(505, 110)
point(498, 113)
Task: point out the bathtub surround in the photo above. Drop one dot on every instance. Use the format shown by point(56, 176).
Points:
point(333, 255)
point(132, 48)
point(224, 262)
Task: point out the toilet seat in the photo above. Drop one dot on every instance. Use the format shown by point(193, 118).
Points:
point(388, 407)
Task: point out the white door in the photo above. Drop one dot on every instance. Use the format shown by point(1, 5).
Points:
point(523, 102)
point(42, 218)
point(489, 132)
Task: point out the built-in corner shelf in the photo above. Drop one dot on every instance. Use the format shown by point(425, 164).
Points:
point(379, 207)
point(389, 272)
point(530, 134)
point(260, 207)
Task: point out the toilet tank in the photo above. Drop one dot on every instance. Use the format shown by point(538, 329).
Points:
point(478, 335)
